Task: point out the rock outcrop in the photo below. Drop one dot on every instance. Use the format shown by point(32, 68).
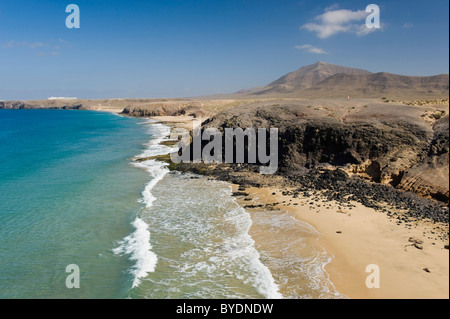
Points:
point(388, 148)
point(167, 109)
point(430, 177)
point(36, 105)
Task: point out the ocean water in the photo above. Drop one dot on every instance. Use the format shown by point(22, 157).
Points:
point(70, 193)
point(67, 192)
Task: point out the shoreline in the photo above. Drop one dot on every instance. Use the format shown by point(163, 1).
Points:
point(359, 236)
point(362, 236)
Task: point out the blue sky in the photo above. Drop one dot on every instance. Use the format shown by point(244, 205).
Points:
point(150, 49)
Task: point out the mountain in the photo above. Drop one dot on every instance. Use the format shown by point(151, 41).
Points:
point(325, 80)
point(308, 76)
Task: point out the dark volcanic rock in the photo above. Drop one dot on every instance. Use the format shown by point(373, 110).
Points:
point(239, 194)
point(336, 185)
point(312, 143)
point(383, 148)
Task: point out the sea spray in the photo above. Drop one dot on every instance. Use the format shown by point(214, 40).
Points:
point(260, 276)
point(202, 242)
point(137, 245)
point(289, 249)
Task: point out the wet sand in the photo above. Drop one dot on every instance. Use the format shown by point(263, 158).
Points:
point(362, 236)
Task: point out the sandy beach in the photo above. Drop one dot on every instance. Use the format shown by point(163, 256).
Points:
point(115, 110)
point(362, 236)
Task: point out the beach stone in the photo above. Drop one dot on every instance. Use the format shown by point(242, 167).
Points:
point(253, 206)
point(415, 240)
point(239, 194)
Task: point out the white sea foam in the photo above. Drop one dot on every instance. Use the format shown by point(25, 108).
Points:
point(159, 133)
point(298, 267)
point(215, 229)
point(137, 245)
point(242, 246)
point(231, 252)
point(157, 170)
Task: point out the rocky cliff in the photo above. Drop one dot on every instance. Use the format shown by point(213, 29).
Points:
point(45, 104)
point(175, 108)
point(392, 145)
point(130, 107)
point(430, 177)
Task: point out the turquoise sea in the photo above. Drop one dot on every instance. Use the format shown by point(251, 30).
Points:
point(67, 192)
point(70, 193)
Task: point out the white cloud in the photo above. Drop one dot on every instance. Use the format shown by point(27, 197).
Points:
point(334, 6)
point(362, 30)
point(49, 48)
point(64, 42)
point(311, 49)
point(341, 17)
point(13, 44)
point(407, 25)
point(336, 21)
point(36, 45)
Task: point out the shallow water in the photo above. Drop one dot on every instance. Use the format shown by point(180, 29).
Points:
point(67, 192)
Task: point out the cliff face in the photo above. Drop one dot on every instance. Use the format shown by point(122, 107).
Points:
point(377, 146)
point(34, 105)
point(131, 107)
point(167, 109)
point(430, 177)
point(403, 151)
point(15, 105)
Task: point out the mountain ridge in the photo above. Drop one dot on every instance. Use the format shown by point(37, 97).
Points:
point(329, 80)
